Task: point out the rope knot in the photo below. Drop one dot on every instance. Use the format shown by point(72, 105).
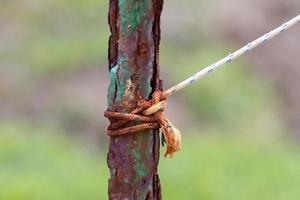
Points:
point(149, 114)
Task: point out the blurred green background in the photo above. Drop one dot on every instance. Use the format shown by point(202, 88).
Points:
point(240, 125)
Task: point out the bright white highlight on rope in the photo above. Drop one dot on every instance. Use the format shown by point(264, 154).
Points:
point(233, 56)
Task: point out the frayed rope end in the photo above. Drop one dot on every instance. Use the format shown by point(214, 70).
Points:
point(173, 139)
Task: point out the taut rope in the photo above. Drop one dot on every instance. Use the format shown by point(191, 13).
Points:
point(150, 112)
point(233, 56)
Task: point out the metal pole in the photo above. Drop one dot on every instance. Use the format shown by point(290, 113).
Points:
point(134, 74)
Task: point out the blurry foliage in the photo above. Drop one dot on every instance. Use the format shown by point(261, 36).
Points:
point(56, 35)
point(44, 164)
point(230, 99)
point(45, 39)
point(231, 168)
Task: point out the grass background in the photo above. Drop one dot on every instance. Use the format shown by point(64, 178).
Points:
point(48, 165)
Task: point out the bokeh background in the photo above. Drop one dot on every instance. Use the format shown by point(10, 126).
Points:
point(240, 125)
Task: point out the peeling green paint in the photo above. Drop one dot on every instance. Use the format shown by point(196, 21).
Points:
point(134, 157)
point(131, 12)
point(124, 76)
point(112, 86)
point(119, 78)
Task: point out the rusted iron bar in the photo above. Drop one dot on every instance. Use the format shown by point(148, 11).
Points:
point(134, 75)
point(131, 117)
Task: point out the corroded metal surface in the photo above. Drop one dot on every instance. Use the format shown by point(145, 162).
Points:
point(134, 75)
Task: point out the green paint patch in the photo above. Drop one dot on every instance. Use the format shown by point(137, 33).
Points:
point(135, 154)
point(119, 79)
point(139, 167)
point(124, 76)
point(141, 170)
point(131, 13)
point(112, 86)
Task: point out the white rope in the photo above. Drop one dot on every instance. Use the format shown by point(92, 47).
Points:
point(232, 56)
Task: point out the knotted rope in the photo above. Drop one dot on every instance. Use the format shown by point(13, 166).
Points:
point(150, 113)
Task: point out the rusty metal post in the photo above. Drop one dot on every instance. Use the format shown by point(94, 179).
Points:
point(134, 74)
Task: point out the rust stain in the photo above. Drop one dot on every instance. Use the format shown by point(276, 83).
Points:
point(134, 74)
